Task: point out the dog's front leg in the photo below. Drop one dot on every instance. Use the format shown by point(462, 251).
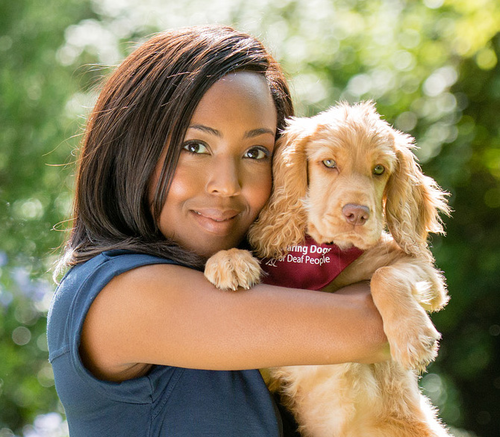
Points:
point(233, 268)
point(397, 290)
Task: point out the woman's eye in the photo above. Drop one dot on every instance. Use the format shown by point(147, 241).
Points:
point(196, 147)
point(329, 163)
point(378, 170)
point(257, 153)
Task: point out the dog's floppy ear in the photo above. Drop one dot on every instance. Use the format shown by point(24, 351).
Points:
point(282, 222)
point(413, 200)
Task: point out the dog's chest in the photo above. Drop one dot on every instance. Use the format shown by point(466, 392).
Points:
point(308, 265)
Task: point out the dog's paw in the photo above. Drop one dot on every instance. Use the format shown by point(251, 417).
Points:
point(233, 268)
point(414, 341)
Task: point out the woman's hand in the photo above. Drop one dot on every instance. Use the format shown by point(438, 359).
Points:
point(377, 346)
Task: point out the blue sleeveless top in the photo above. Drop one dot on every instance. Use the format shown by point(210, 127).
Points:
point(168, 401)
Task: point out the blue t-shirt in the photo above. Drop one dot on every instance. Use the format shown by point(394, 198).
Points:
point(168, 401)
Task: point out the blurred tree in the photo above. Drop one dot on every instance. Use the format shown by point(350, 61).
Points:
point(432, 68)
point(470, 166)
point(35, 121)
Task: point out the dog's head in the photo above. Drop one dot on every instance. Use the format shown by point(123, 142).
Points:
point(342, 177)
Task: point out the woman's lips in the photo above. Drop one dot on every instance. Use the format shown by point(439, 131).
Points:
point(214, 220)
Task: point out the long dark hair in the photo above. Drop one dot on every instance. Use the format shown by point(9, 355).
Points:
point(145, 106)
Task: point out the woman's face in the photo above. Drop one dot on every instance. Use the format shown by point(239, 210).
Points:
point(223, 177)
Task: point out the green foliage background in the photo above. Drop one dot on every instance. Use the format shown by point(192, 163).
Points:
point(431, 66)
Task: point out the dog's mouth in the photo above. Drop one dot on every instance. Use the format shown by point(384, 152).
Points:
point(345, 242)
point(358, 236)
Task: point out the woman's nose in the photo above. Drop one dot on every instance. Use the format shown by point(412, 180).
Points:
point(224, 178)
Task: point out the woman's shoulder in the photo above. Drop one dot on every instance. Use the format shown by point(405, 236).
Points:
point(122, 258)
point(83, 283)
point(109, 264)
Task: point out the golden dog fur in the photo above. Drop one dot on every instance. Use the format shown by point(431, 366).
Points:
point(348, 156)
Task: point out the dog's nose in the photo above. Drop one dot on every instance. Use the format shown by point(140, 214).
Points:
point(356, 215)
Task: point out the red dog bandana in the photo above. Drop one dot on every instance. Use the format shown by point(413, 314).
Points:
point(309, 266)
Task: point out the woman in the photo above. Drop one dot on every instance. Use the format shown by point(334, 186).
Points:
point(176, 165)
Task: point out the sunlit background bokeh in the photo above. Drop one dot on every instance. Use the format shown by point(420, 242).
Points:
point(432, 68)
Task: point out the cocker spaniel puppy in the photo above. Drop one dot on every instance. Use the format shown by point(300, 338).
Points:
point(350, 203)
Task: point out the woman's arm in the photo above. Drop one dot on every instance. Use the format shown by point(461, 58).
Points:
point(171, 315)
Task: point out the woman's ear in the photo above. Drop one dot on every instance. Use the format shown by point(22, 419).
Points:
point(413, 201)
point(282, 221)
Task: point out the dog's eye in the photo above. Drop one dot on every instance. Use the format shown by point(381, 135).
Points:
point(329, 163)
point(378, 170)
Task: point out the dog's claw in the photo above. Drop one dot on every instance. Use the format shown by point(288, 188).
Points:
point(232, 269)
point(415, 349)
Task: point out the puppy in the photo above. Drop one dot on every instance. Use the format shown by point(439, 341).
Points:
point(348, 188)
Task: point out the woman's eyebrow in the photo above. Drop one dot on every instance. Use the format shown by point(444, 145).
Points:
point(206, 129)
point(256, 132)
point(250, 134)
